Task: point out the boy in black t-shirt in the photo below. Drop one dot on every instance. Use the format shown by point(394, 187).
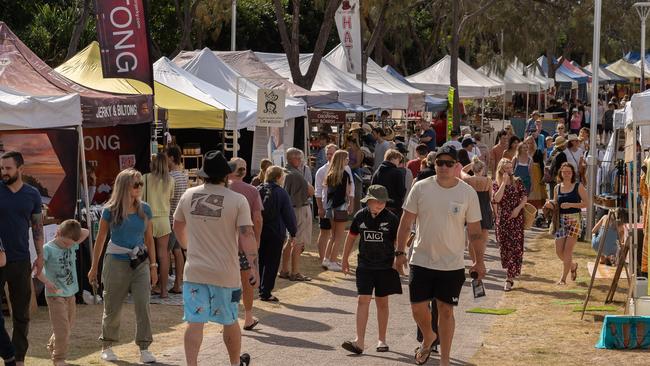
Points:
point(377, 228)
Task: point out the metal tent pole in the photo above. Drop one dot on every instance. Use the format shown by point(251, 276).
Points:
point(593, 151)
point(233, 26)
point(642, 8)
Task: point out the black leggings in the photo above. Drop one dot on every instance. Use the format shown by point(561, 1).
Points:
point(270, 255)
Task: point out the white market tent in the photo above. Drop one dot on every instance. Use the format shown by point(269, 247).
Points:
point(330, 78)
point(402, 96)
point(19, 111)
point(172, 76)
point(210, 68)
point(434, 80)
point(625, 69)
point(640, 113)
point(534, 72)
point(646, 66)
point(605, 76)
point(513, 80)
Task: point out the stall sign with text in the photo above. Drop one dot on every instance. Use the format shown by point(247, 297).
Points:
point(270, 107)
point(327, 117)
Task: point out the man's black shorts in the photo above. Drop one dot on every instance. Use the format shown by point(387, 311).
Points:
point(384, 281)
point(324, 223)
point(426, 284)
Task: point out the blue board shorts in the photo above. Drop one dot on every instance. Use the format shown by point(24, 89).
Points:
point(206, 303)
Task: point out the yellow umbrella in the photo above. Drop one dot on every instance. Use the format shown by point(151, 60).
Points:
point(183, 111)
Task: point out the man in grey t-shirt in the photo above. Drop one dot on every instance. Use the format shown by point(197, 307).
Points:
point(380, 147)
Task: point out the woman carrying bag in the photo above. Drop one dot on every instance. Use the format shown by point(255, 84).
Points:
point(509, 197)
point(337, 200)
point(129, 263)
point(571, 198)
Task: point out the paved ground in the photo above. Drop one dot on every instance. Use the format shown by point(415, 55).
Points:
point(311, 331)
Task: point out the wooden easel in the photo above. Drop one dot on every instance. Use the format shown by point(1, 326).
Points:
point(601, 244)
point(620, 265)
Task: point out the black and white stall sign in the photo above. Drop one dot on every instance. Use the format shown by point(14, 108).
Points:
point(270, 107)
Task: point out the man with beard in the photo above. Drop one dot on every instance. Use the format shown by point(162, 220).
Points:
point(20, 209)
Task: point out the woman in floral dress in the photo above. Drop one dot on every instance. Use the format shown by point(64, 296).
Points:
point(509, 198)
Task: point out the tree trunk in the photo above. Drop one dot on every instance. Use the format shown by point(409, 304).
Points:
point(453, 69)
point(185, 16)
point(376, 32)
point(79, 27)
point(290, 43)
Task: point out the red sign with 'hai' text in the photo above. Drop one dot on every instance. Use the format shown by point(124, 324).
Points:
point(123, 39)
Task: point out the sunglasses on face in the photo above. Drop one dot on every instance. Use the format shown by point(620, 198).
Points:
point(137, 185)
point(447, 163)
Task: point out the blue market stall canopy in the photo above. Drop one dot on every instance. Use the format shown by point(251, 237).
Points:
point(562, 74)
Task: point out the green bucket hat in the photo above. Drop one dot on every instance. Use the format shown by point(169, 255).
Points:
point(376, 192)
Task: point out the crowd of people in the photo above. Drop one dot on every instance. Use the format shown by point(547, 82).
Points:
point(229, 239)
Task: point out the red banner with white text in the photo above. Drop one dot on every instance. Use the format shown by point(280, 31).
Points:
point(123, 39)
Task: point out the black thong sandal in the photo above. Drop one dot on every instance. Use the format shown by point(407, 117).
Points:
point(383, 348)
point(252, 326)
point(422, 352)
point(298, 277)
point(270, 299)
point(244, 359)
point(425, 351)
point(352, 347)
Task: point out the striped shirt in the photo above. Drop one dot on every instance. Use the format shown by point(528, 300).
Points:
point(180, 186)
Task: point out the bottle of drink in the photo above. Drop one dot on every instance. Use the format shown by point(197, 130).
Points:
point(477, 285)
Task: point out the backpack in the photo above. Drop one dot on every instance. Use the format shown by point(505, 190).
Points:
point(270, 212)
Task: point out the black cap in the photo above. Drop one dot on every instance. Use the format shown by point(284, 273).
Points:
point(468, 141)
point(214, 165)
point(401, 147)
point(447, 150)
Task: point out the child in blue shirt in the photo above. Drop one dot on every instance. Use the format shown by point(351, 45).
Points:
point(60, 278)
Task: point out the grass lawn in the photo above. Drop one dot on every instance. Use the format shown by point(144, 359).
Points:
point(544, 330)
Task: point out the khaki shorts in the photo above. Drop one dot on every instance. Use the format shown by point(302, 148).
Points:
point(304, 222)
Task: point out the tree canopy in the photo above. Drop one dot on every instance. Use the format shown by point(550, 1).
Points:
point(413, 34)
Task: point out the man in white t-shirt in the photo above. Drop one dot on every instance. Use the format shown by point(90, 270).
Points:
point(440, 206)
point(214, 223)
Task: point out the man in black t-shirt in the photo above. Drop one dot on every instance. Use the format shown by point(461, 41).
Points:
point(377, 228)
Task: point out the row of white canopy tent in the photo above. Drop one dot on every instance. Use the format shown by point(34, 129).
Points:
point(330, 78)
point(208, 68)
point(20, 111)
point(403, 96)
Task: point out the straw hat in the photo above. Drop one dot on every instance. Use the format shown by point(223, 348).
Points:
point(560, 142)
point(355, 126)
point(573, 137)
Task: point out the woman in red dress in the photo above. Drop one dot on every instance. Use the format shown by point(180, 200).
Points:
point(509, 198)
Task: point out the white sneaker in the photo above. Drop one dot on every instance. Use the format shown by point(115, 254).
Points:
point(108, 355)
point(334, 266)
point(146, 356)
point(326, 264)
